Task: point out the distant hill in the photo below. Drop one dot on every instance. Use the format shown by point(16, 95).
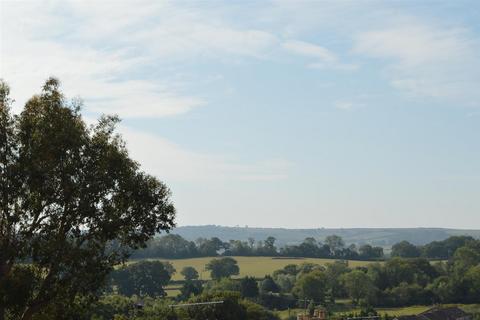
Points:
point(384, 237)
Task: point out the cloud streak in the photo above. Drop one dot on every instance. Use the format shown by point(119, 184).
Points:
point(177, 164)
point(104, 47)
point(426, 60)
point(323, 57)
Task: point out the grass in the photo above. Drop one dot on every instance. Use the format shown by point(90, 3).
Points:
point(256, 267)
point(172, 290)
point(405, 311)
point(411, 310)
point(469, 308)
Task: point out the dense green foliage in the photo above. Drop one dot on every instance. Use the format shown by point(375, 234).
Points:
point(249, 287)
point(406, 250)
point(142, 278)
point(190, 288)
point(189, 273)
point(117, 307)
point(396, 282)
point(312, 285)
point(72, 204)
point(222, 268)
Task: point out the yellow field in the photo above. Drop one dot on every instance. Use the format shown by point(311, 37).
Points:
point(250, 266)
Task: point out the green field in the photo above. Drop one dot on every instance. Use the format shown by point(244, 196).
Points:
point(412, 310)
point(250, 266)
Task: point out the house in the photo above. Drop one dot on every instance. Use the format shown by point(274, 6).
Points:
point(438, 313)
point(318, 314)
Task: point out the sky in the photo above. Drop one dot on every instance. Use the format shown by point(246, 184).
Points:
point(296, 114)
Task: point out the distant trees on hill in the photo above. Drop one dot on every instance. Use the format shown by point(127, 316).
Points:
point(173, 246)
point(441, 250)
point(406, 250)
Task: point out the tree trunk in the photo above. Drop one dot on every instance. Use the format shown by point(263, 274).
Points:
point(3, 274)
point(28, 314)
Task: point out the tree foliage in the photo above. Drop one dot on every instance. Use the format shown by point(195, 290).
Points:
point(358, 285)
point(72, 202)
point(190, 288)
point(249, 287)
point(312, 286)
point(189, 273)
point(173, 246)
point(142, 278)
point(222, 268)
point(405, 249)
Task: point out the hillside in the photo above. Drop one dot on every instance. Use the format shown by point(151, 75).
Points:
point(376, 236)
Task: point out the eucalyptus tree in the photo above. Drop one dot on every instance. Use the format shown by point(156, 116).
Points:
point(72, 203)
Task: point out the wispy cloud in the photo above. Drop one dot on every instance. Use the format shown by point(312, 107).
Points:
point(138, 99)
point(174, 163)
point(114, 55)
point(310, 50)
point(425, 59)
point(322, 57)
point(108, 51)
point(347, 105)
point(169, 31)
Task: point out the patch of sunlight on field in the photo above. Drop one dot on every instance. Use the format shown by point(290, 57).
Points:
point(284, 314)
point(172, 292)
point(403, 311)
point(250, 266)
point(470, 308)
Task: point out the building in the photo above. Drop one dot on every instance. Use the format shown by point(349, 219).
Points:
point(437, 313)
point(318, 314)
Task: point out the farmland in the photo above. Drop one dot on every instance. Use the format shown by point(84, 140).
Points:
point(344, 308)
point(256, 267)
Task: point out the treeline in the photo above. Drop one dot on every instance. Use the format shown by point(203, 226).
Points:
point(441, 250)
point(173, 246)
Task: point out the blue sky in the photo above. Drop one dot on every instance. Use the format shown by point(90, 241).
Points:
point(275, 113)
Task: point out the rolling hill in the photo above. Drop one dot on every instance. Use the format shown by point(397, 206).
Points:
point(384, 237)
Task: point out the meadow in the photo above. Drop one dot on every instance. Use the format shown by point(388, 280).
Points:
point(346, 308)
point(256, 267)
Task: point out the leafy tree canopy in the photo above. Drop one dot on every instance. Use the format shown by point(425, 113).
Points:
point(189, 273)
point(222, 268)
point(358, 285)
point(72, 202)
point(312, 286)
point(142, 278)
point(405, 249)
point(249, 287)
